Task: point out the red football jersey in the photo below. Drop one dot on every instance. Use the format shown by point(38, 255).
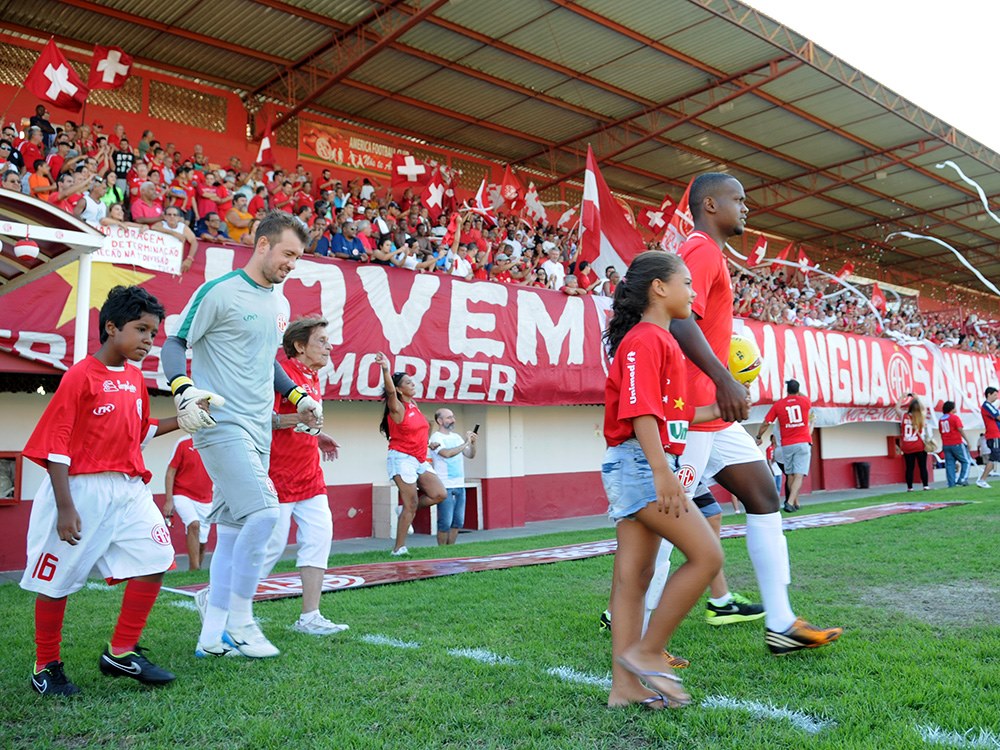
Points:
point(410, 435)
point(714, 307)
point(648, 376)
point(988, 411)
point(792, 415)
point(951, 429)
point(910, 439)
point(98, 421)
point(190, 479)
point(295, 468)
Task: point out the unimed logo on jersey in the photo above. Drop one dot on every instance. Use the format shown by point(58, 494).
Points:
point(630, 358)
point(686, 476)
point(160, 535)
point(103, 409)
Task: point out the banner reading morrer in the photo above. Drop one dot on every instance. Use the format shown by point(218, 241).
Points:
point(485, 342)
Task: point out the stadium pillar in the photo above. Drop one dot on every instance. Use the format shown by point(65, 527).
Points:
point(82, 323)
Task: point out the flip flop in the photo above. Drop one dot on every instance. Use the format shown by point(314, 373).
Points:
point(646, 703)
point(673, 700)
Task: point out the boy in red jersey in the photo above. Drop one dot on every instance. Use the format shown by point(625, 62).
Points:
point(94, 506)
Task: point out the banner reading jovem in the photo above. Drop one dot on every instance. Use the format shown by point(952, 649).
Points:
point(485, 342)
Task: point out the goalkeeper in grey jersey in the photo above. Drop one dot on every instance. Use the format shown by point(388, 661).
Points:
point(234, 325)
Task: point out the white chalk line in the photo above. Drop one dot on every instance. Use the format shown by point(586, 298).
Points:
point(383, 640)
point(183, 604)
point(970, 738)
point(797, 719)
point(95, 586)
point(481, 655)
point(568, 674)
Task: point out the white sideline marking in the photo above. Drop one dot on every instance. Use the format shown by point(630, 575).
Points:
point(798, 719)
point(571, 675)
point(384, 640)
point(481, 655)
point(938, 736)
point(183, 604)
point(95, 586)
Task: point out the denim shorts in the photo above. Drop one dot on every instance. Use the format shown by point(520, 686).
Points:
point(405, 466)
point(628, 479)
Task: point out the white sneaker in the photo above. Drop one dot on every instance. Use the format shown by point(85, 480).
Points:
point(201, 603)
point(251, 641)
point(400, 552)
point(982, 483)
point(219, 649)
point(318, 625)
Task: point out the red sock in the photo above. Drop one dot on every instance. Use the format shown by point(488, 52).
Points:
point(48, 630)
point(136, 604)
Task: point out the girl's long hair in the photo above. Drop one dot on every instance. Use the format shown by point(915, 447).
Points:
point(916, 412)
point(383, 427)
point(632, 293)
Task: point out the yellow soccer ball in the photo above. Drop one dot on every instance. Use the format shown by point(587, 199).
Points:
point(744, 359)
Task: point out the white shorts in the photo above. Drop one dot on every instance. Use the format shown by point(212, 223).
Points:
point(405, 466)
point(190, 511)
point(121, 532)
point(708, 453)
point(314, 535)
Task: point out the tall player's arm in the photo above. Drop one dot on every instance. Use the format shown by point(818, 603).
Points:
point(309, 411)
point(730, 393)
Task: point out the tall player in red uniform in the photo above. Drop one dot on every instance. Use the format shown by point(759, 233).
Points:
point(94, 506)
point(723, 449)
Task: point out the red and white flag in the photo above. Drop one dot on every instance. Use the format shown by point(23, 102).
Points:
point(512, 191)
point(265, 156)
point(565, 219)
point(607, 238)
point(680, 224)
point(804, 263)
point(478, 205)
point(408, 172)
point(655, 220)
point(533, 207)
point(845, 270)
point(783, 255)
point(110, 68)
point(53, 80)
point(878, 299)
point(756, 256)
point(433, 195)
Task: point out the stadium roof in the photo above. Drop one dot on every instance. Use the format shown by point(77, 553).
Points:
point(663, 90)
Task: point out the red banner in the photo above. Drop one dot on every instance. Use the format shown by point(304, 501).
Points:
point(484, 342)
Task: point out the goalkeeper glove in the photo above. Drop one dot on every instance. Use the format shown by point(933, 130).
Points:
point(190, 416)
point(307, 407)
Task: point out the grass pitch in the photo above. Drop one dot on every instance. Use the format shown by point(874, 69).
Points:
point(481, 660)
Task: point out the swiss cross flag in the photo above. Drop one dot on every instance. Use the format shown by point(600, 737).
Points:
point(845, 270)
point(804, 263)
point(409, 172)
point(533, 207)
point(783, 255)
point(110, 68)
point(655, 220)
point(680, 224)
point(878, 298)
point(756, 256)
point(433, 195)
point(511, 191)
point(53, 80)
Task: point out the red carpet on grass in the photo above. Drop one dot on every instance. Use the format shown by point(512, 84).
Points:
point(282, 585)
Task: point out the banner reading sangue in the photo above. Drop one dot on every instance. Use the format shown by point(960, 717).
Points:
point(484, 342)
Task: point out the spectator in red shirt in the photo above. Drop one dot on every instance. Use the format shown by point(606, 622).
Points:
point(282, 198)
point(303, 196)
point(207, 194)
point(258, 204)
point(795, 422)
point(146, 210)
point(67, 195)
point(31, 149)
point(182, 195)
point(915, 431)
point(956, 445)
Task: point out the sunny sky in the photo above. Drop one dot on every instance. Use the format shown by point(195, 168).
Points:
point(943, 56)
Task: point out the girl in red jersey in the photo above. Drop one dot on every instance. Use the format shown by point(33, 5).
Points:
point(407, 430)
point(645, 425)
point(915, 431)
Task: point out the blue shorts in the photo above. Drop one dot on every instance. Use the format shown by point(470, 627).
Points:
point(628, 479)
point(451, 510)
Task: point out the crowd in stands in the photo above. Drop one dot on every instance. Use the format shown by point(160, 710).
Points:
point(792, 297)
point(106, 179)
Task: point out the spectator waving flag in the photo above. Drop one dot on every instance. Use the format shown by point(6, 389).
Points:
point(756, 256)
point(533, 207)
point(845, 270)
point(433, 195)
point(511, 191)
point(408, 172)
point(607, 238)
point(52, 79)
point(655, 220)
point(680, 225)
point(478, 205)
point(804, 263)
point(109, 69)
point(783, 255)
point(878, 299)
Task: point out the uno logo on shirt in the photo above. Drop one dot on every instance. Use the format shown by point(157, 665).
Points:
point(686, 476)
point(103, 409)
point(282, 321)
point(160, 535)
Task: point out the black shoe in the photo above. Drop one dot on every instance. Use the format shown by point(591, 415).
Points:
point(739, 609)
point(133, 664)
point(605, 620)
point(787, 508)
point(51, 680)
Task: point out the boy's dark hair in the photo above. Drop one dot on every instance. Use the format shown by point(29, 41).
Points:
point(948, 407)
point(989, 391)
point(632, 293)
point(703, 186)
point(125, 304)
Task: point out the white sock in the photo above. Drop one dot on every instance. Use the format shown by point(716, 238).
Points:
point(658, 581)
point(248, 557)
point(769, 554)
point(219, 576)
point(722, 601)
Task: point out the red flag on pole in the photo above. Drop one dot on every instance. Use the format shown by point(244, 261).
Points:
point(433, 196)
point(655, 220)
point(407, 172)
point(478, 205)
point(265, 156)
point(845, 270)
point(680, 225)
point(757, 254)
point(511, 190)
point(878, 299)
point(608, 239)
point(783, 255)
point(533, 207)
point(53, 79)
point(110, 68)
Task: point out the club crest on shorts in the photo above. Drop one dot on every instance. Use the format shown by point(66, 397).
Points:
point(686, 476)
point(160, 535)
point(270, 485)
